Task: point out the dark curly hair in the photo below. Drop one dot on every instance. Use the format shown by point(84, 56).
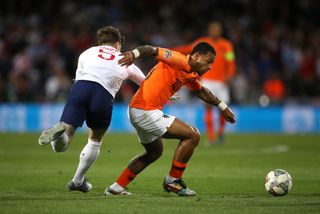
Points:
point(109, 35)
point(203, 48)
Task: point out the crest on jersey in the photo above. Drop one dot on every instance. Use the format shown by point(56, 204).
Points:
point(167, 54)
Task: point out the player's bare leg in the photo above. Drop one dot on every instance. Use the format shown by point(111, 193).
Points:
point(136, 165)
point(189, 139)
point(153, 152)
point(87, 157)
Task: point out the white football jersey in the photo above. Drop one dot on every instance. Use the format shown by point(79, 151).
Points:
point(100, 64)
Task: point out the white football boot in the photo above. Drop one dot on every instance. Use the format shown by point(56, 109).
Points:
point(52, 134)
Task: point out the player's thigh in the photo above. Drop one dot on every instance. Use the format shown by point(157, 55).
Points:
point(74, 112)
point(100, 107)
point(145, 136)
point(154, 148)
point(181, 130)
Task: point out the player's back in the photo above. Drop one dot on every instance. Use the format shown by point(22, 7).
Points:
point(100, 64)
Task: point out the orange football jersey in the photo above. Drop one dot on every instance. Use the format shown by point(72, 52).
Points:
point(165, 79)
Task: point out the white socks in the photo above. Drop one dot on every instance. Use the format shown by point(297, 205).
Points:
point(87, 157)
point(116, 187)
point(170, 179)
point(60, 144)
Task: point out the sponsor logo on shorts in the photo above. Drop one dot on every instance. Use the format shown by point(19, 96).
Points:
point(165, 116)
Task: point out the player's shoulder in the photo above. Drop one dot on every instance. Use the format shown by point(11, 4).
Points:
point(168, 54)
point(88, 51)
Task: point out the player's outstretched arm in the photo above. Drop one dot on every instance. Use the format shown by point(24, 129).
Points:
point(208, 97)
point(142, 51)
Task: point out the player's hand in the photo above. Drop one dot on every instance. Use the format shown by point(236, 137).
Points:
point(229, 115)
point(127, 59)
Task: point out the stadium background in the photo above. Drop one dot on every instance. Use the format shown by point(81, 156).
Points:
point(40, 43)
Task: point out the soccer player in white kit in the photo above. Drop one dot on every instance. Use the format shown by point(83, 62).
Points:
point(98, 79)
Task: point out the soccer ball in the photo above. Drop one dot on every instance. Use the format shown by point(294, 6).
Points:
point(278, 182)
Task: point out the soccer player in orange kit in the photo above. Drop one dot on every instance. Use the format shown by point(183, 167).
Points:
point(218, 78)
point(145, 112)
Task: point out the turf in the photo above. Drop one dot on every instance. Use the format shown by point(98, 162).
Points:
point(228, 178)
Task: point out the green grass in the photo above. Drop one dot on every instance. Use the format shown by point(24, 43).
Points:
point(227, 178)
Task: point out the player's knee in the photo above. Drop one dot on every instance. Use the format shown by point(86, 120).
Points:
point(195, 136)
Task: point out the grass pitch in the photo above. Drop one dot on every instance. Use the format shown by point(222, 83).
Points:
point(228, 178)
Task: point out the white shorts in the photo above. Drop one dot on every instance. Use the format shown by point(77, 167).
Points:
point(150, 124)
point(219, 89)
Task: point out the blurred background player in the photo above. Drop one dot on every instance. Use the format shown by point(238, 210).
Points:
point(98, 79)
point(218, 78)
point(173, 71)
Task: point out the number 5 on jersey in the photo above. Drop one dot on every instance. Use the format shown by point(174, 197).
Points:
point(104, 54)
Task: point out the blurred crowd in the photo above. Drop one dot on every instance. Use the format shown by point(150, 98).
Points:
point(277, 43)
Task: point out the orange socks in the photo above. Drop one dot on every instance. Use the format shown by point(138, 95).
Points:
point(209, 124)
point(125, 178)
point(222, 123)
point(177, 169)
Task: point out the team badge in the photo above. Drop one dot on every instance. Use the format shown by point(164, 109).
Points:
point(167, 54)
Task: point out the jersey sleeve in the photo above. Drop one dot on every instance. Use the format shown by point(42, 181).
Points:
point(194, 85)
point(185, 49)
point(135, 74)
point(79, 66)
point(173, 58)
